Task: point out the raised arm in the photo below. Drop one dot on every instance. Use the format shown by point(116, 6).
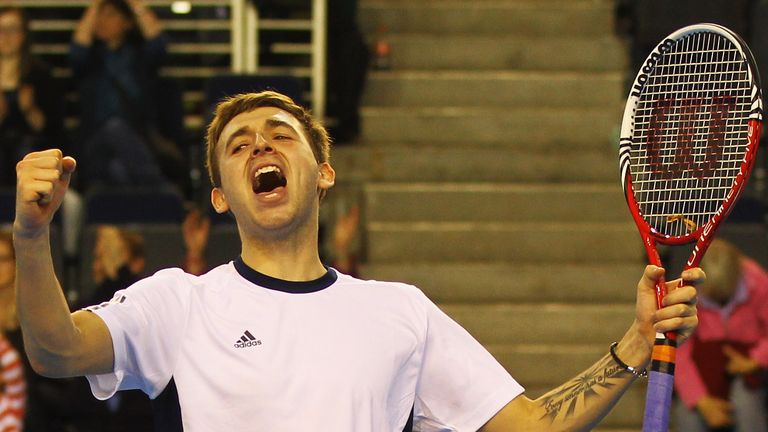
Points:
point(583, 401)
point(58, 344)
point(84, 31)
point(148, 22)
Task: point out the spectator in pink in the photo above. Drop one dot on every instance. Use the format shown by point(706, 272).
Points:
point(719, 374)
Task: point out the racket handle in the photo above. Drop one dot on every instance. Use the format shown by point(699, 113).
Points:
point(661, 379)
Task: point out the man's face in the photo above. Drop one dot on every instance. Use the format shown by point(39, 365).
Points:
point(269, 175)
point(111, 25)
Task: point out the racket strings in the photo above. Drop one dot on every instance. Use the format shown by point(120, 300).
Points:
point(690, 132)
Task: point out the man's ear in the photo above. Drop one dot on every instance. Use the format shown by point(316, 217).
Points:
point(219, 201)
point(327, 176)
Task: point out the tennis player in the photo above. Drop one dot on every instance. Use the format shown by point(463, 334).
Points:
point(275, 340)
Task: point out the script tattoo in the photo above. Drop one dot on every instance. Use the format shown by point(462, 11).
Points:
point(566, 398)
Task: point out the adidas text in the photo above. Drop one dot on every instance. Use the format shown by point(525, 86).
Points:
point(248, 344)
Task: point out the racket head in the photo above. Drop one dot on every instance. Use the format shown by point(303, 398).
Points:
point(689, 135)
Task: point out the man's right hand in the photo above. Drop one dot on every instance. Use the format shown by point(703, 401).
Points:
point(716, 411)
point(42, 180)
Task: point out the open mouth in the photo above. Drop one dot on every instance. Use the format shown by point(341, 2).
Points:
point(267, 179)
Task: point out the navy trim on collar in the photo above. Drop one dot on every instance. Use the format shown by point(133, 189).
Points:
point(303, 287)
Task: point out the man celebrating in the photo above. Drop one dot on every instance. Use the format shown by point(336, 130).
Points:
point(276, 341)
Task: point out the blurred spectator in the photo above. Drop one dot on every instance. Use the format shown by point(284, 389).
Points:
point(344, 233)
point(348, 59)
point(12, 377)
point(119, 256)
point(116, 53)
point(719, 375)
point(118, 261)
point(196, 229)
point(30, 103)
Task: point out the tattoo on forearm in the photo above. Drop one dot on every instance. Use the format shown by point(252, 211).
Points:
point(566, 398)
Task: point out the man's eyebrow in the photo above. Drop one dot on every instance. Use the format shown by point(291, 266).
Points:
point(276, 123)
point(243, 130)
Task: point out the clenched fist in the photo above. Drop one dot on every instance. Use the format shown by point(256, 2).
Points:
point(42, 180)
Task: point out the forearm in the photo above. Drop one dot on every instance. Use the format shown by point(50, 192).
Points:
point(580, 403)
point(49, 332)
point(83, 34)
point(148, 23)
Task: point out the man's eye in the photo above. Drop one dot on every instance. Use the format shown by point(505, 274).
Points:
point(281, 137)
point(239, 147)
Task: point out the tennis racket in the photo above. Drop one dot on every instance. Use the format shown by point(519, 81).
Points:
point(688, 142)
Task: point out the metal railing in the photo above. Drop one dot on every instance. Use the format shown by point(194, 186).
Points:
point(246, 25)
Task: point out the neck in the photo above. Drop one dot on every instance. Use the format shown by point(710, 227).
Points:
point(292, 258)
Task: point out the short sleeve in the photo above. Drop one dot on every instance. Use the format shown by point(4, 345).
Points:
point(147, 322)
point(461, 385)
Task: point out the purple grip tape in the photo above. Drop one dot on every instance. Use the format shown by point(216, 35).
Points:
point(658, 402)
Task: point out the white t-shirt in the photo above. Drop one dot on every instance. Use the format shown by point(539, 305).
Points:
point(236, 350)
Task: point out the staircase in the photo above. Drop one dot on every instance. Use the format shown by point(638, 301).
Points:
point(490, 178)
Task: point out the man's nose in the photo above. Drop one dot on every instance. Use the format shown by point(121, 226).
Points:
point(262, 145)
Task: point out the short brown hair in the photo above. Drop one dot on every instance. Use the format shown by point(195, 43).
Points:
point(230, 107)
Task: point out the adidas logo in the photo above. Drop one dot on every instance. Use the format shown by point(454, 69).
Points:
point(247, 340)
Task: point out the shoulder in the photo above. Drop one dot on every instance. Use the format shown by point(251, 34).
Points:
point(405, 296)
point(395, 287)
point(168, 285)
point(754, 275)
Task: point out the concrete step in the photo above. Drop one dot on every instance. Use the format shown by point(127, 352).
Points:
point(529, 18)
point(493, 202)
point(522, 127)
point(488, 282)
point(495, 89)
point(610, 242)
point(498, 52)
point(543, 323)
point(433, 161)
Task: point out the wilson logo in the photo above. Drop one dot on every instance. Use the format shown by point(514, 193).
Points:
point(247, 340)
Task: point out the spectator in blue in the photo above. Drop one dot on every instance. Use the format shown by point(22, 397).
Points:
point(30, 110)
point(116, 53)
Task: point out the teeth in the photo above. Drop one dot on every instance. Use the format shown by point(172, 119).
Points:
point(266, 169)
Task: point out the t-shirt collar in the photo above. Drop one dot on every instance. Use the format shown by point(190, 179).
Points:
point(276, 284)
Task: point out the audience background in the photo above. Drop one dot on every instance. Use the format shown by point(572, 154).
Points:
point(30, 103)
point(116, 53)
